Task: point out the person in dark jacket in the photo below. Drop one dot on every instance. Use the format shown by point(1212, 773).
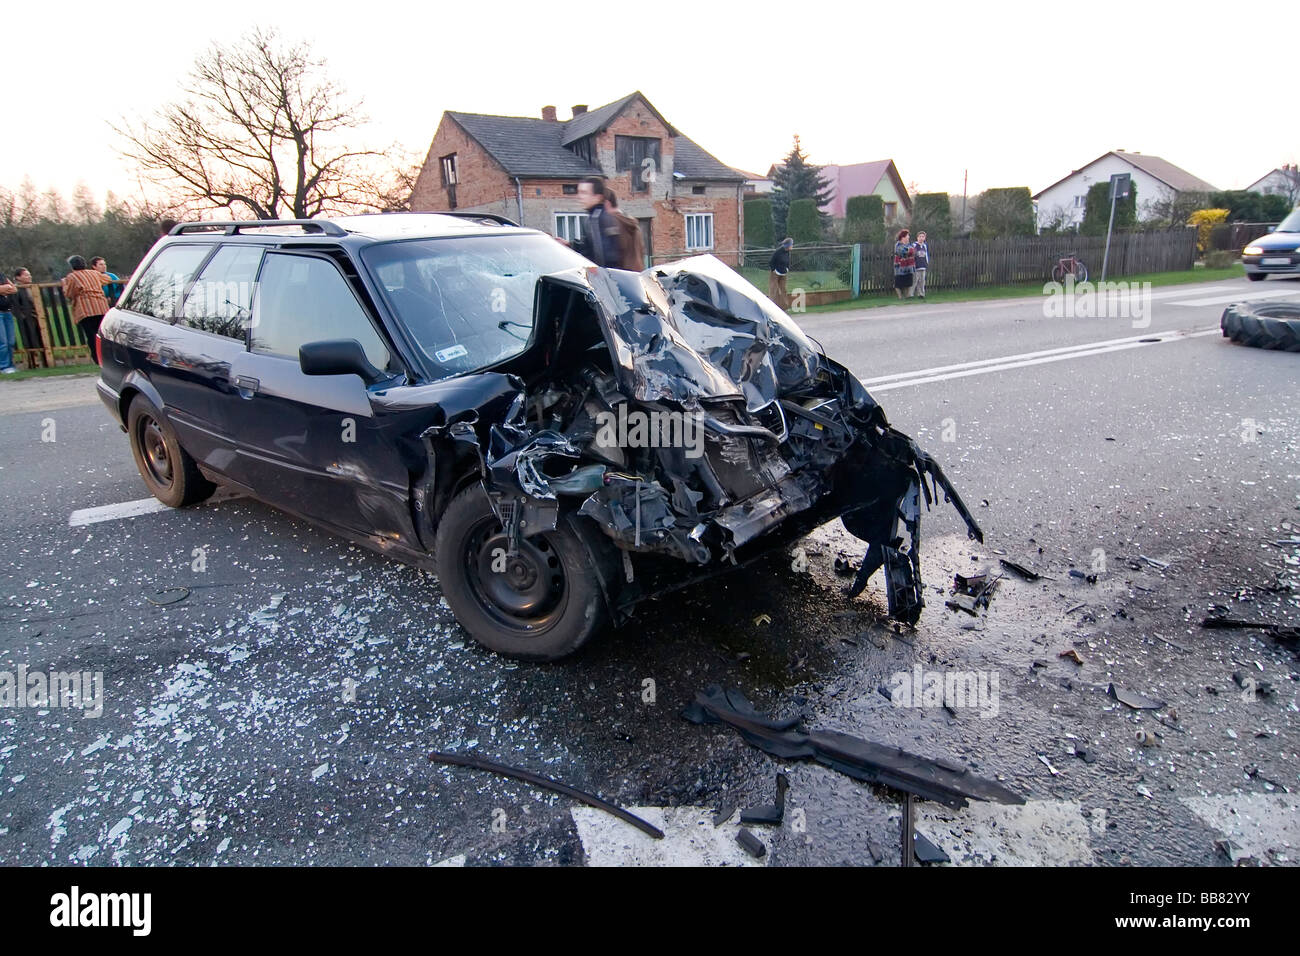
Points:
point(602, 238)
point(904, 264)
point(778, 269)
point(922, 248)
point(7, 340)
point(24, 310)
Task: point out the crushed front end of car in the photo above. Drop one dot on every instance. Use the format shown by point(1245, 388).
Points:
point(680, 413)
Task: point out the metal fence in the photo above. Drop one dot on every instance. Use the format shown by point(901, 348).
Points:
point(61, 340)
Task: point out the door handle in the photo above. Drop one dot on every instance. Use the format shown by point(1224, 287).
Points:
point(246, 385)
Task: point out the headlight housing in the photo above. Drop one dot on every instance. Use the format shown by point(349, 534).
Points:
point(1252, 251)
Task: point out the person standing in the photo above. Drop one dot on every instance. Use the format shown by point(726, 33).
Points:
point(25, 312)
point(778, 271)
point(904, 264)
point(83, 287)
point(7, 339)
point(922, 249)
point(631, 248)
point(113, 290)
point(601, 240)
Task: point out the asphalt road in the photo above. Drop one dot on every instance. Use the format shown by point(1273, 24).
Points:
point(281, 710)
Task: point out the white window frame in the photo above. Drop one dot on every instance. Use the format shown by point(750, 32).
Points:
point(572, 219)
point(701, 219)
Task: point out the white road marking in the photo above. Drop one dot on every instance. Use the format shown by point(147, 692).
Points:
point(1256, 822)
point(124, 509)
point(1005, 363)
point(133, 509)
point(1039, 833)
point(1242, 296)
point(690, 838)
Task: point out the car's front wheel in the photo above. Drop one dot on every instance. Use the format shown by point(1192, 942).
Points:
point(539, 604)
point(169, 472)
point(1256, 276)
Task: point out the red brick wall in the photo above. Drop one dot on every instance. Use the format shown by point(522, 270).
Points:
point(482, 181)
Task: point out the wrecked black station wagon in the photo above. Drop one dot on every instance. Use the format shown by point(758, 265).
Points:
point(558, 441)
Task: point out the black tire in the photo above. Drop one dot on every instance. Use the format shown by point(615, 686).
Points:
point(169, 472)
point(1080, 272)
point(546, 602)
point(1058, 273)
point(1267, 325)
point(1256, 276)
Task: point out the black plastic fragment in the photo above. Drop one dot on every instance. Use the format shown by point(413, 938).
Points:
point(771, 813)
point(944, 782)
point(927, 852)
point(1019, 569)
point(751, 844)
point(724, 813)
point(1130, 699)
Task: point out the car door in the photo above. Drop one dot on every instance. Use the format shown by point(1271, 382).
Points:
point(211, 336)
point(312, 444)
point(168, 358)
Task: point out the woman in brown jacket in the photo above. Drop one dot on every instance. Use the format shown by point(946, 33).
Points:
point(83, 287)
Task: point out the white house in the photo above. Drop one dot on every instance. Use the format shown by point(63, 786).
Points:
point(1156, 180)
point(1284, 181)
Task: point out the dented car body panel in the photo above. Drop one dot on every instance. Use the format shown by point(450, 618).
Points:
point(707, 365)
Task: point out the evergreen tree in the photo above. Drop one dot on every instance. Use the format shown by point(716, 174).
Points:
point(796, 178)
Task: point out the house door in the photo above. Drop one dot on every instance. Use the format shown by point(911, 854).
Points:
point(647, 240)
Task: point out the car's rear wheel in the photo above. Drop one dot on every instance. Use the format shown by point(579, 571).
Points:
point(1256, 276)
point(169, 472)
point(540, 604)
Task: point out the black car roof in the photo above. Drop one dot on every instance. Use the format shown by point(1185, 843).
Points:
point(373, 226)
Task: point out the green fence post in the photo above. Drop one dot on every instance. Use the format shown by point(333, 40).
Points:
point(857, 270)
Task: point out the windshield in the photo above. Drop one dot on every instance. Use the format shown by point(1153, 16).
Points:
point(1291, 223)
point(468, 300)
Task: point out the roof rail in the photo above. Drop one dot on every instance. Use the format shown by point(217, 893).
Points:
point(489, 216)
point(234, 228)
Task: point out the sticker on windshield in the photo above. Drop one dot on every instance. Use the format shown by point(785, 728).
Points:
point(453, 352)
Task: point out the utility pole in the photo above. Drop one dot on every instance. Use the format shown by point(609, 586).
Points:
point(1119, 185)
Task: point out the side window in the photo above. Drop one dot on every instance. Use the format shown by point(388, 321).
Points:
point(304, 299)
point(221, 299)
point(158, 292)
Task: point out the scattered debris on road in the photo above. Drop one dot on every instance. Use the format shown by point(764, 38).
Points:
point(771, 813)
point(1136, 701)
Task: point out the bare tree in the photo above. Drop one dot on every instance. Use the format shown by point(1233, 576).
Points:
point(262, 131)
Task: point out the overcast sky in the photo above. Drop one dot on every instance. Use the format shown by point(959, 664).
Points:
point(1017, 93)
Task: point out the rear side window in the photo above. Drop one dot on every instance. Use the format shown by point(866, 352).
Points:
point(221, 299)
point(159, 291)
point(303, 299)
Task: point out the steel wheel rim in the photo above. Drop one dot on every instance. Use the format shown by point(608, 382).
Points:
point(153, 451)
point(529, 596)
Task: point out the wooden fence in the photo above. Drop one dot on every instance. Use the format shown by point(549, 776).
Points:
point(976, 263)
point(61, 340)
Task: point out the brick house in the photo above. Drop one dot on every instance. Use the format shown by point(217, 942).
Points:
point(528, 170)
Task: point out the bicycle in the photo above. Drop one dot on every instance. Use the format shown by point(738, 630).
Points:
point(1069, 265)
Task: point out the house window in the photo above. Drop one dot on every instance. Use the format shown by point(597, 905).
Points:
point(570, 189)
point(1080, 201)
point(697, 190)
point(448, 164)
point(568, 225)
point(891, 211)
point(638, 155)
point(699, 231)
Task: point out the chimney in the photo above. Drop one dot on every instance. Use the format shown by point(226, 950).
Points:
point(548, 114)
point(579, 110)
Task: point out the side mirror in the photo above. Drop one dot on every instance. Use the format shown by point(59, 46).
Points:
point(337, 357)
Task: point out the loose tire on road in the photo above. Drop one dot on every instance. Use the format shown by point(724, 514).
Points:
point(1265, 325)
point(169, 472)
point(539, 605)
